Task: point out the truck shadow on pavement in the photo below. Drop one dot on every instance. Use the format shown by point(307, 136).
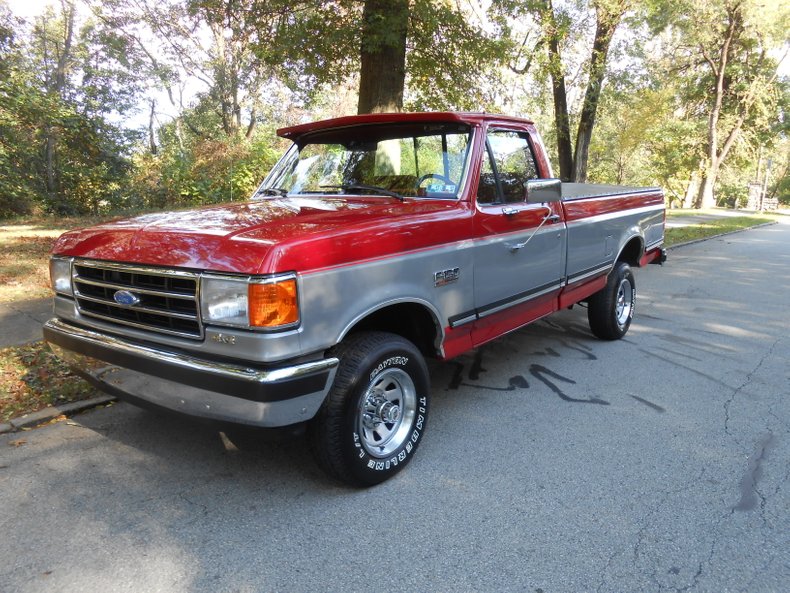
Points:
point(179, 446)
point(540, 346)
point(171, 445)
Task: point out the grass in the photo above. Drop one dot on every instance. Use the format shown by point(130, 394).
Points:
point(716, 225)
point(32, 378)
point(24, 254)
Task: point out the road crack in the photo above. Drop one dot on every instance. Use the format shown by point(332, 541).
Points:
point(646, 525)
point(740, 388)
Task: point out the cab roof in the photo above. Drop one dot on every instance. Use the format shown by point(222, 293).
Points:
point(471, 118)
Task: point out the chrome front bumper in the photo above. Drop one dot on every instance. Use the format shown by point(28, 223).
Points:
point(144, 374)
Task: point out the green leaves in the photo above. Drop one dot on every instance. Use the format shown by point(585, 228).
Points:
point(202, 170)
point(65, 83)
point(453, 62)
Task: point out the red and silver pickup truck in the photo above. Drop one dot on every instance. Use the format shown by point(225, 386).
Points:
point(375, 242)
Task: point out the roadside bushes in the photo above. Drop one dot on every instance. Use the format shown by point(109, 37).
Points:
point(202, 171)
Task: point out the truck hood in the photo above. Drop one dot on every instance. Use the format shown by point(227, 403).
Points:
point(272, 235)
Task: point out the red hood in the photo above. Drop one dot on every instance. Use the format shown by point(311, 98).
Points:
point(273, 235)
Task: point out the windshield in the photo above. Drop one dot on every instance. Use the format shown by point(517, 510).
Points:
point(412, 160)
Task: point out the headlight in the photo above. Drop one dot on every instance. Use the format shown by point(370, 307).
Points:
point(60, 275)
point(249, 302)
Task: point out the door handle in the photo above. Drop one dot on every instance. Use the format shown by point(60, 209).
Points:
point(514, 247)
point(507, 211)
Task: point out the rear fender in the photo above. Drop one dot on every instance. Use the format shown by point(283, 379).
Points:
point(633, 246)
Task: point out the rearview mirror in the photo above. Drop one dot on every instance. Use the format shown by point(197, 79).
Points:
point(544, 190)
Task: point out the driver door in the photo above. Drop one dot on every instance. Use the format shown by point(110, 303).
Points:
point(519, 256)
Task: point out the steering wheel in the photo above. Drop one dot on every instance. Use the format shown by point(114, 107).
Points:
point(432, 176)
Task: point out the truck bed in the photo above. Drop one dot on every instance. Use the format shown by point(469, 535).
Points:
point(577, 191)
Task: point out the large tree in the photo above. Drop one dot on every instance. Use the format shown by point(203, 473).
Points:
point(70, 80)
point(208, 46)
point(724, 54)
point(558, 32)
point(422, 53)
point(382, 61)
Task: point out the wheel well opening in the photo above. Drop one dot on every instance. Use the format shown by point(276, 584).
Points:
point(408, 320)
point(632, 252)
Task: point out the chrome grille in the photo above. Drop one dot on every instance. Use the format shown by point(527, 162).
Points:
point(168, 299)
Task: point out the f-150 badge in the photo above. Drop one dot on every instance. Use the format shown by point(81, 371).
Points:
point(446, 276)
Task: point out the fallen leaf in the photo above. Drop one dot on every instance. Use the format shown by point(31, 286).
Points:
point(17, 443)
point(227, 443)
point(54, 420)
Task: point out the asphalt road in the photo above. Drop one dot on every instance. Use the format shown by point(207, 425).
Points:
point(553, 462)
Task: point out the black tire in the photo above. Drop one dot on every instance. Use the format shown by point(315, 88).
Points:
point(373, 419)
point(611, 309)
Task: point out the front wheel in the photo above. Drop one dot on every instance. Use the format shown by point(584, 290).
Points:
point(611, 309)
point(373, 419)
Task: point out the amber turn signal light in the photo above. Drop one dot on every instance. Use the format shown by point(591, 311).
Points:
point(273, 304)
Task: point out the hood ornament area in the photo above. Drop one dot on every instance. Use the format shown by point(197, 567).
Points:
point(126, 298)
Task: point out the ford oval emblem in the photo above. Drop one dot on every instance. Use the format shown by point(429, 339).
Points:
point(126, 298)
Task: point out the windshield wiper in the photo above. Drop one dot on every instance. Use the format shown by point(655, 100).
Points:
point(371, 188)
point(272, 191)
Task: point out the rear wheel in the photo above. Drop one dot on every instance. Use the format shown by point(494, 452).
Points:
point(611, 309)
point(373, 419)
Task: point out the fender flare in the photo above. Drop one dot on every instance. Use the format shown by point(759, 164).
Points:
point(428, 306)
point(632, 233)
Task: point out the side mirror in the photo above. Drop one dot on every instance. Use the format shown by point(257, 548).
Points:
point(544, 190)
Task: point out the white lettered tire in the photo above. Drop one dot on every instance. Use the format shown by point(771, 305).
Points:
point(611, 309)
point(373, 419)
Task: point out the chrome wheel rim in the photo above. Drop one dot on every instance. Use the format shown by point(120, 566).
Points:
point(625, 302)
point(387, 411)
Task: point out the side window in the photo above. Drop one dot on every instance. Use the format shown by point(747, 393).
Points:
point(506, 169)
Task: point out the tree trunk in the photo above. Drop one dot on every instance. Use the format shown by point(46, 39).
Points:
point(559, 92)
point(54, 194)
point(718, 67)
point(705, 196)
point(152, 148)
point(607, 24)
point(251, 124)
point(68, 35)
point(691, 190)
point(50, 167)
point(563, 125)
point(382, 71)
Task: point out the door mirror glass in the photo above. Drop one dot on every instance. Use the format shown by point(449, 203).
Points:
point(544, 190)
